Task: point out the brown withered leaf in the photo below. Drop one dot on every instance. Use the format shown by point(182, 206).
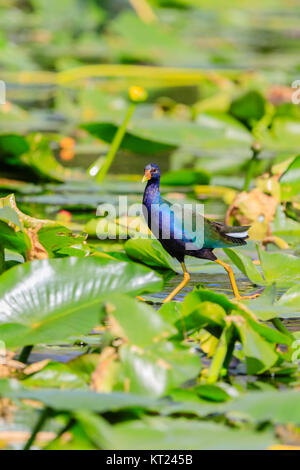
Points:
point(256, 209)
point(278, 94)
point(7, 408)
point(288, 434)
point(35, 367)
point(37, 250)
point(100, 379)
point(9, 367)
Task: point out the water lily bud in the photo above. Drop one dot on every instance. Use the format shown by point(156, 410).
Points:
point(137, 93)
point(256, 147)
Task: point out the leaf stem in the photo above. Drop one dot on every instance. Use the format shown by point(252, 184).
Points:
point(143, 10)
point(2, 260)
point(40, 423)
point(220, 355)
point(256, 149)
point(25, 353)
point(99, 170)
point(280, 327)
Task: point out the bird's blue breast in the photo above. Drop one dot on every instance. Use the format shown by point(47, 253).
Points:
point(169, 223)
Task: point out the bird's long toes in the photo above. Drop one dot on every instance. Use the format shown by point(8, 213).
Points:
point(247, 297)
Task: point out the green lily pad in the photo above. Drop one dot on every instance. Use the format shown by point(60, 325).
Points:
point(150, 252)
point(260, 354)
point(40, 158)
point(248, 108)
point(56, 239)
point(280, 407)
point(74, 400)
point(290, 180)
point(12, 145)
point(245, 265)
point(182, 433)
point(185, 177)
point(55, 375)
point(280, 268)
point(291, 299)
point(49, 300)
point(266, 307)
point(284, 134)
point(135, 321)
point(106, 131)
point(9, 215)
point(156, 370)
point(15, 241)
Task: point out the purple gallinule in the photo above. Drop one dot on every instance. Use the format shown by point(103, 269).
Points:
point(181, 240)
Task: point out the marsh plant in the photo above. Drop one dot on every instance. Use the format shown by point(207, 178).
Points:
point(91, 92)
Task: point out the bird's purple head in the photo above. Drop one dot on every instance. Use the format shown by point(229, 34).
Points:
point(152, 172)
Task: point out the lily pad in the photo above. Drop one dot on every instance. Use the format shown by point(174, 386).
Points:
point(290, 180)
point(156, 370)
point(280, 268)
point(74, 400)
point(182, 433)
point(55, 374)
point(106, 131)
point(136, 322)
point(276, 407)
point(150, 252)
point(185, 177)
point(49, 300)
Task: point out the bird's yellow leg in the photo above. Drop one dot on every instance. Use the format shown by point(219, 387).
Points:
point(186, 278)
point(233, 282)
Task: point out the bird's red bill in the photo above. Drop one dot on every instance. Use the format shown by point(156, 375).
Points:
point(147, 176)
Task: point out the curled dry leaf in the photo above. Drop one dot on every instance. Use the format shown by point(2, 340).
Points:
point(7, 409)
point(35, 367)
point(27, 220)
point(37, 250)
point(282, 244)
point(288, 434)
point(8, 366)
point(100, 377)
point(269, 185)
point(278, 94)
point(256, 209)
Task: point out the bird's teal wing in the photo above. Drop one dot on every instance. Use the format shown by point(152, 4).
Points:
point(219, 235)
point(185, 223)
